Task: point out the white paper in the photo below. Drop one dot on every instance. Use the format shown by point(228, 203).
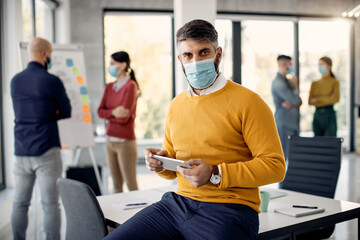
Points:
point(299, 212)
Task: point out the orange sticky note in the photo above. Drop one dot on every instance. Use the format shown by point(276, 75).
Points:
point(87, 118)
point(85, 108)
point(80, 79)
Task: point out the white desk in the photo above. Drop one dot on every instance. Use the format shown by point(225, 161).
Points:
point(272, 224)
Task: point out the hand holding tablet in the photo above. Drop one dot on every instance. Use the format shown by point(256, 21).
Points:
point(171, 163)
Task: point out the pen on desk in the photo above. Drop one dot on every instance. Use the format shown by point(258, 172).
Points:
point(135, 204)
point(303, 206)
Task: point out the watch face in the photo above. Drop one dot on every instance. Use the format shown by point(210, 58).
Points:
point(215, 179)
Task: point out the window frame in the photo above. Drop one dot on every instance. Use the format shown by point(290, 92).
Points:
point(143, 12)
point(52, 18)
point(2, 160)
point(142, 143)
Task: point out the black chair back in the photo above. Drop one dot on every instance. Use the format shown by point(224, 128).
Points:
point(313, 165)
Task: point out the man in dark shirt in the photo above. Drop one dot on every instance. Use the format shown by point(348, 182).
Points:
point(39, 101)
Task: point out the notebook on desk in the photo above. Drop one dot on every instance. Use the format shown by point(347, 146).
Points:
point(299, 212)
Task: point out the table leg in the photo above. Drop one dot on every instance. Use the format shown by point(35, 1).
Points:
point(358, 228)
point(293, 236)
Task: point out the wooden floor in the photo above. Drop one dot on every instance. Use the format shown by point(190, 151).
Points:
point(348, 188)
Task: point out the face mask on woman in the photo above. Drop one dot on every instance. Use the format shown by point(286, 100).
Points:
point(322, 69)
point(201, 74)
point(113, 71)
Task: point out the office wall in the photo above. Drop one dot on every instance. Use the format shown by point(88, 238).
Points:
point(318, 7)
point(11, 65)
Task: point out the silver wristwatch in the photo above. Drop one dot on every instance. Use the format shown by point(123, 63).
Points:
point(215, 176)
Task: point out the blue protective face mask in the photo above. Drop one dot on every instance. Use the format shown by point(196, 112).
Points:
point(290, 70)
point(113, 71)
point(48, 63)
point(200, 74)
point(322, 69)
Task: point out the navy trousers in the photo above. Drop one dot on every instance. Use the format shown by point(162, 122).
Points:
point(177, 217)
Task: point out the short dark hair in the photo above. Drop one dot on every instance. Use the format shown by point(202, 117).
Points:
point(283, 57)
point(198, 30)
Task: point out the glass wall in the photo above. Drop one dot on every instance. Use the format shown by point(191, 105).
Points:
point(262, 42)
point(44, 20)
point(40, 24)
point(224, 29)
point(148, 40)
point(318, 39)
point(2, 169)
point(27, 16)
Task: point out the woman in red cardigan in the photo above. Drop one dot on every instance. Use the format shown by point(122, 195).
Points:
point(118, 106)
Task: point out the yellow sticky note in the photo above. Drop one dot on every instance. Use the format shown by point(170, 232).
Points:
point(87, 118)
point(80, 79)
point(85, 108)
point(76, 71)
point(85, 99)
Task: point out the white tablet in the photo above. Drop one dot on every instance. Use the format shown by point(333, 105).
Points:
point(171, 163)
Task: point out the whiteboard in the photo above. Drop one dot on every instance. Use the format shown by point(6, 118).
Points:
point(69, 66)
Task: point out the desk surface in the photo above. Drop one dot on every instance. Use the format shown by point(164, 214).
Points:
point(271, 224)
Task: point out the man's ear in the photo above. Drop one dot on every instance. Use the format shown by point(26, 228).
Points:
point(178, 56)
point(43, 54)
point(219, 53)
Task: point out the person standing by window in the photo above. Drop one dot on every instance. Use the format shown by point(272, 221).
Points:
point(118, 107)
point(324, 93)
point(287, 101)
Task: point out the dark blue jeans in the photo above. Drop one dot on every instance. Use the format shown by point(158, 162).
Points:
point(178, 217)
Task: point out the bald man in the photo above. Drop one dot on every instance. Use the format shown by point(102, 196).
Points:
point(39, 101)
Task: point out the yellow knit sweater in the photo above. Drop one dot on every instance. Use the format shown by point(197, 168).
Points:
point(325, 91)
point(234, 128)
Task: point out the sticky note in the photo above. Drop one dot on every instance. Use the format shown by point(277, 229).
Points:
point(87, 118)
point(85, 99)
point(83, 91)
point(85, 109)
point(69, 62)
point(80, 79)
point(76, 71)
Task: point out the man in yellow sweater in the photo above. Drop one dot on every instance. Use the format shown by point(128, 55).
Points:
point(227, 134)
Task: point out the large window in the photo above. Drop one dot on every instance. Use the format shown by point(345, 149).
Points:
point(318, 39)
point(148, 40)
point(224, 29)
point(44, 20)
point(262, 42)
point(37, 19)
point(27, 16)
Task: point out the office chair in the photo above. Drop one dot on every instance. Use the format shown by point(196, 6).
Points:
point(84, 217)
point(313, 168)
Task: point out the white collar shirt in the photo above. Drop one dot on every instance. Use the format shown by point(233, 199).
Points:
point(219, 83)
